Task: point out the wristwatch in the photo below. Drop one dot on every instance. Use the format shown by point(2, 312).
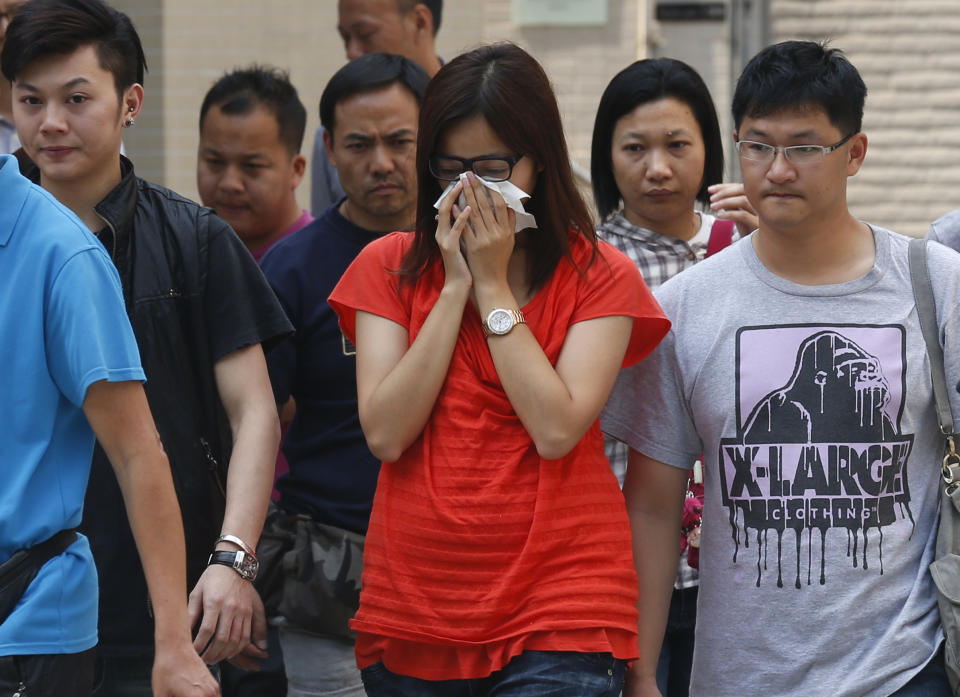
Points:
point(501, 321)
point(244, 564)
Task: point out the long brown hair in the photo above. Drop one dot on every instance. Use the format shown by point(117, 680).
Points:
point(505, 85)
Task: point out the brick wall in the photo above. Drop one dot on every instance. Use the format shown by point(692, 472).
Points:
point(908, 54)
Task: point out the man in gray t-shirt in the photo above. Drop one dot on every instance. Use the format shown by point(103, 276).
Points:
point(796, 366)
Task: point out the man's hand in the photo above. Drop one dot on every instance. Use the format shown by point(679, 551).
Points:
point(636, 686)
point(179, 672)
point(654, 493)
point(249, 658)
point(232, 615)
point(255, 649)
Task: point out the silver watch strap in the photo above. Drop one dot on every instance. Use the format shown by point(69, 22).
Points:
point(233, 539)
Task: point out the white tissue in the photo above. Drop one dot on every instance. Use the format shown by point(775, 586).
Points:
point(512, 196)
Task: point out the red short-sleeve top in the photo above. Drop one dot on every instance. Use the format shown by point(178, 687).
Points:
point(477, 548)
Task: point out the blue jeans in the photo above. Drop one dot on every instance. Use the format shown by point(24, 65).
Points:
point(929, 682)
point(531, 674)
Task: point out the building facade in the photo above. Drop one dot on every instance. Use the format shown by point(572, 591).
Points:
point(905, 50)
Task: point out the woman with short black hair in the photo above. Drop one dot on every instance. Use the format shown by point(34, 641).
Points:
point(658, 157)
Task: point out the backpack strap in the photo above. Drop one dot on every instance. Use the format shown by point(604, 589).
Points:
point(721, 235)
point(927, 314)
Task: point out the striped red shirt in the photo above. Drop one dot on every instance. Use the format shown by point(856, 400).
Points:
point(477, 548)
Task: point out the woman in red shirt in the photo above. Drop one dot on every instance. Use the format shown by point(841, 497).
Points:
point(498, 557)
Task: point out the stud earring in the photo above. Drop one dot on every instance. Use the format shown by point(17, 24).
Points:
point(128, 123)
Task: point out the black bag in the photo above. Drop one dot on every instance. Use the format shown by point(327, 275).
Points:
point(18, 572)
point(310, 573)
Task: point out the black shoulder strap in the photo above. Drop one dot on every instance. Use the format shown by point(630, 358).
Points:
point(18, 571)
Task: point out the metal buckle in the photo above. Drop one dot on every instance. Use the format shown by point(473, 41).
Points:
point(950, 469)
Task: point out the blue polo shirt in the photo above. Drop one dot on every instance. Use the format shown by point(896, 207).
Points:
point(332, 473)
point(62, 328)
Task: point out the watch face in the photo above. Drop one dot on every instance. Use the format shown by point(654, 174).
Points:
point(249, 567)
point(500, 321)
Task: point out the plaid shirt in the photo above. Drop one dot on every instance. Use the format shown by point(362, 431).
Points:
point(659, 258)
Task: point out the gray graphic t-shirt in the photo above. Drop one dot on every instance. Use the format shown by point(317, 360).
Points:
point(814, 411)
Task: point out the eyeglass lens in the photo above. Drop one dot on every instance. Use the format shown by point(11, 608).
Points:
point(761, 152)
point(492, 169)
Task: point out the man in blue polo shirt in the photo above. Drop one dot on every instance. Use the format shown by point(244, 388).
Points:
point(70, 371)
point(369, 110)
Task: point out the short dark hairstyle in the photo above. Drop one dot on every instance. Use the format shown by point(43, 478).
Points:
point(435, 7)
point(640, 83)
point(240, 91)
point(374, 71)
point(507, 87)
point(801, 74)
point(42, 28)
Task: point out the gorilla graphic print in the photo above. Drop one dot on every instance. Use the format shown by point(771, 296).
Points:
point(819, 458)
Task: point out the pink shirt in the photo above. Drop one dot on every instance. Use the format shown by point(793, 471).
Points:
point(305, 219)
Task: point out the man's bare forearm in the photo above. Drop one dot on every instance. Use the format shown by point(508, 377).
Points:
point(120, 417)
point(244, 387)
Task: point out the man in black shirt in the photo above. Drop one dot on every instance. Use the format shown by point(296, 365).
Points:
point(200, 310)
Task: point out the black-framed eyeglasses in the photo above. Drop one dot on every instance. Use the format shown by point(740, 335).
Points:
point(797, 154)
point(493, 169)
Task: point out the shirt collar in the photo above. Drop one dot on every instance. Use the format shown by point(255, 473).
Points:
point(14, 188)
point(623, 227)
point(305, 219)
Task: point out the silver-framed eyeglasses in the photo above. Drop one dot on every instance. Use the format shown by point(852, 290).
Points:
point(797, 154)
point(493, 169)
